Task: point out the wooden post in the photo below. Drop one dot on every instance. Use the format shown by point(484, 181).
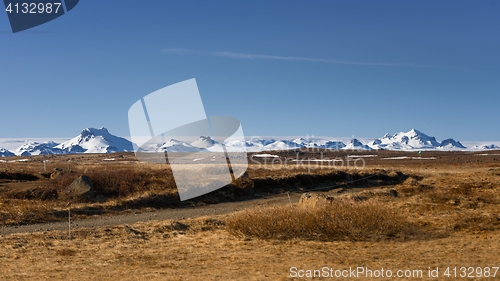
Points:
point(69, 220)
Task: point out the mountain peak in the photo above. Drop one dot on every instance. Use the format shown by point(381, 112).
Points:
point(415, 131)
point(94, 131)
point(92, 140)
point(451, 143)
point(356, 142)
point(5, 153)
point(203, 142)
point(205, 138)
point(413, 139)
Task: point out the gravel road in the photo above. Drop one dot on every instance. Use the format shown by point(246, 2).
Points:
point(166, 214)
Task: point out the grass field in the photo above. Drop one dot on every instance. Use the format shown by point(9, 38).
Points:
point(393, 214)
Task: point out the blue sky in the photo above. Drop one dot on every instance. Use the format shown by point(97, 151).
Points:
point(324, 68)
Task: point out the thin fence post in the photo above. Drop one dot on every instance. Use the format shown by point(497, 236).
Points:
point(69, 221)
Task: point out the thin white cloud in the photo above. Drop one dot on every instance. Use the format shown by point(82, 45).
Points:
point(235, 55)
point(306, 59)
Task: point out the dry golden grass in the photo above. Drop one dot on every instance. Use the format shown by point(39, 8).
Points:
point(340, 220)
point(18, 211)
point(203, 249)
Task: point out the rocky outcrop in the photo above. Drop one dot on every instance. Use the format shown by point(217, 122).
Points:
point(81, 189)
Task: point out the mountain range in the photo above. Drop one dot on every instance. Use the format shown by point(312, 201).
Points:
point(93, 140)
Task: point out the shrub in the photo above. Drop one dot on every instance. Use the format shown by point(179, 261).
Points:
point(342, 220)
point(121, 182)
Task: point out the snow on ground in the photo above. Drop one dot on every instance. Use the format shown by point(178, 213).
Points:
point(396, 158)
point(265, 155)
point(406, 157)
point(424, 158)
point(317, 160)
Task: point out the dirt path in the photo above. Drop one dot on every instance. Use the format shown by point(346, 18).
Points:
point(168, 214)
point(174, 214)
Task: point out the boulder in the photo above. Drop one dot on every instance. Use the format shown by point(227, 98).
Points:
point(314, 200)
point(393, 192)
point(81, 189)
point(57, 173)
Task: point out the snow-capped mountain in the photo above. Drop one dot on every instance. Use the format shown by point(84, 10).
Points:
point(413, 139)
point(254, 144)
point(336, 145)
point(302, 142)
point(5, 153)
point(282, 145)
point(174, 145)
point(318, 143)
point(451, 144)
point(93, 140)
point(355, 144)
point(485, 147)
point(31, 148)
point(204, 142)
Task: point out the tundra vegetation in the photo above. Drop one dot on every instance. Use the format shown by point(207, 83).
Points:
point(399, 213)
